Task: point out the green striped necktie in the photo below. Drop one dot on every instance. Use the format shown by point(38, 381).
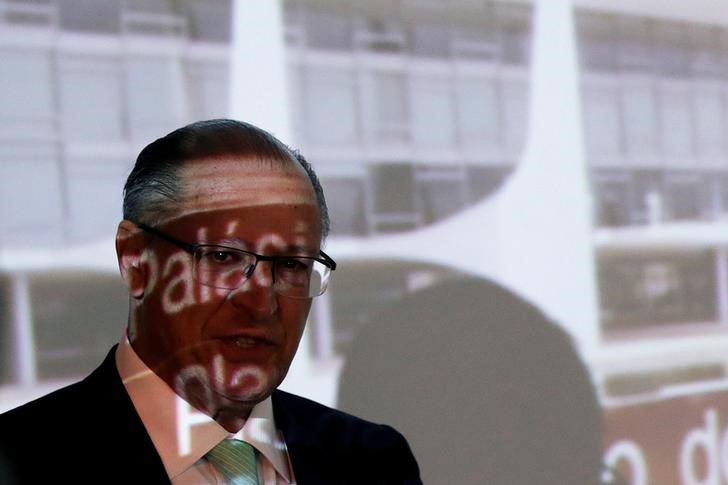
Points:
point(235, 459)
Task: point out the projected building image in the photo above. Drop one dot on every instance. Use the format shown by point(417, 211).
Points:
point(571, 152)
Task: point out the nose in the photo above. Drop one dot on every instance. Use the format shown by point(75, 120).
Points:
point(256, 295)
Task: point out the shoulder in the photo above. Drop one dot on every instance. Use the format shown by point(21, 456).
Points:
point(56, 409)
point(330, 423)
point(57, 416)
point(87, 398)
point(343, 444)
point(76, 416)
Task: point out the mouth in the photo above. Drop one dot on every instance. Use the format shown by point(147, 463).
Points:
point(246, 339)
point(248, 342)
point(247, 348)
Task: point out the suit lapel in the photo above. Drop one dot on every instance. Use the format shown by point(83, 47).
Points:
point(112, 413)
point(301, 442)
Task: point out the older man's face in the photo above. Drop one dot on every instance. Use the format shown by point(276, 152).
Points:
point(225, 350)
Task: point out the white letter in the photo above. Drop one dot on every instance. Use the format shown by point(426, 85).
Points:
point(707, 439)
point(629, 451)
point(184, 279)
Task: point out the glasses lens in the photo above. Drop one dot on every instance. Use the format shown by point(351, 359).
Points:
point(228, 268)
point(301, 277)
point(222, 267)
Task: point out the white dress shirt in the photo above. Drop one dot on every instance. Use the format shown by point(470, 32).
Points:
point(182, 435)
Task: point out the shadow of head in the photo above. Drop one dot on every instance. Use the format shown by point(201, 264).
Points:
point(485, 388)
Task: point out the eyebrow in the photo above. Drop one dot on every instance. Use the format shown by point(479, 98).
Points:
point(233, 243)
point(301, 250)
point(289, 250)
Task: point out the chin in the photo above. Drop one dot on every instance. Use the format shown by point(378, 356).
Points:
point(249, 384)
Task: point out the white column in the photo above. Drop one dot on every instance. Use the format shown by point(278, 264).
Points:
point(535, 235)
point(721, 284)
point(323, 327)
point(24, 367)
point(258, 74)
point(545, 210)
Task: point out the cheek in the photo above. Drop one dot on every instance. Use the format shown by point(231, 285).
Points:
point(293, 315)
point(175, 311)
point(176, 286)
point(175, 291)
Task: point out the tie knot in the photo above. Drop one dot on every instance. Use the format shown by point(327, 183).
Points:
point(235, 460)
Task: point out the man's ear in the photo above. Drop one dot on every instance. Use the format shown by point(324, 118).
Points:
point(129, 250)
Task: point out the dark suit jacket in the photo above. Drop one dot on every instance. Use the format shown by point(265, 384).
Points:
point(89, 432)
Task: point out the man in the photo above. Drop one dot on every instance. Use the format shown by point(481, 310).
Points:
point(220, 251)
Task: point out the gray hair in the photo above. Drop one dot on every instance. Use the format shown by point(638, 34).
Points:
point(154, 187)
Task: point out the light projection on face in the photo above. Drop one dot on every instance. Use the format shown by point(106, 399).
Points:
point(224, 350)
point(181, 291)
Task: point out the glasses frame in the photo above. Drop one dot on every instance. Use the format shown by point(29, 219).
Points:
point(191, 248)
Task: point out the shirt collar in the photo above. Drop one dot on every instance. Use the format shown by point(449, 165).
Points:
point(182, 434)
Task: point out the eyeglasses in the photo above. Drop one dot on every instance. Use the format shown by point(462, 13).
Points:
point(229, 268)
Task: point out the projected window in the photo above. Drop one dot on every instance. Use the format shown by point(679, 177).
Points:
point(719, 195)
point(640, 118)
point(634, 50)
point(91, 99)
point(672, 54)
point(433, 123)
point(613, 202)
point(429, 39)
point(514, 24)
point(68, 341)
point(386, 110)
point(483, 180)
point(208, 20)
point(348, 214)
point(380, 34)
point(393, 205)
point(657, 290)
point(676, 123)
point(595, 32)
point(207, 91)
point(37, 188)
point(654, 100)
point(328, 29)
point(90, 16)
point(515, 121)
point(471, 43)
point(710, 119)
point(330, 95)
point(364, 289)
point(479, 112)
point(412, 85)
point(443, 191)
point(26, 103)
point(154, 88)
point(602, 122)
point(686, 197)
point(93, 178)
point(6, 333)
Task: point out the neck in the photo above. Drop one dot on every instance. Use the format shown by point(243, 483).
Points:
point(230, 420)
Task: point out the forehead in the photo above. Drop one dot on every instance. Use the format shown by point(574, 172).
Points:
point(230, 183)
